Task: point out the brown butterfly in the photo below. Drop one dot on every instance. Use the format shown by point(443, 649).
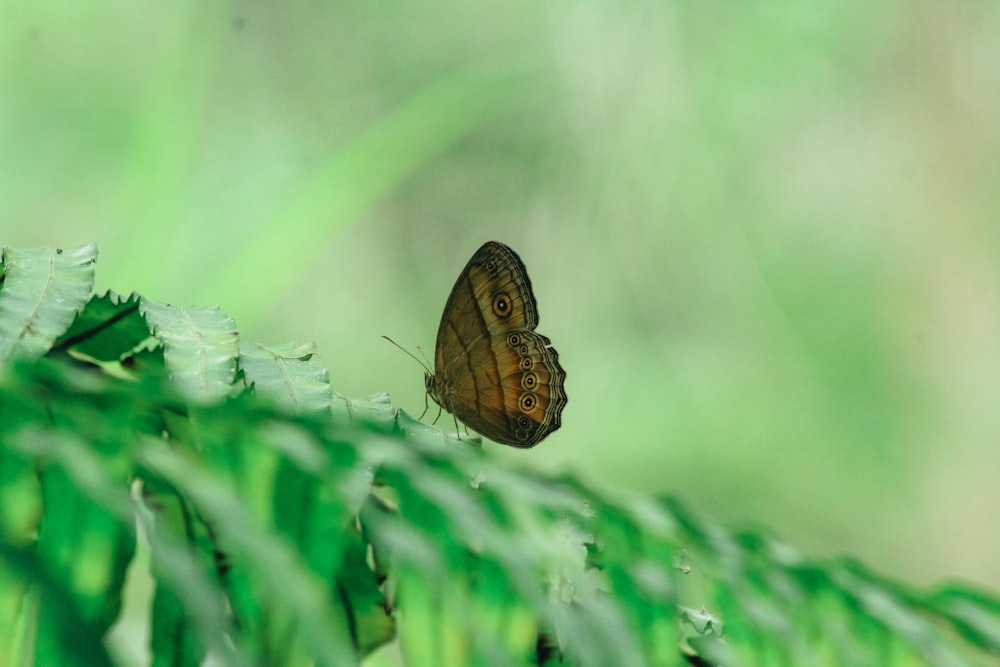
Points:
point(491, 369)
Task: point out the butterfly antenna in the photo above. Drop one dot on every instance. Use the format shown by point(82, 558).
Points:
point(421, 351)
point(426, 366)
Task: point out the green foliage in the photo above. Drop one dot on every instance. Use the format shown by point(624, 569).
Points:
point(288, 525)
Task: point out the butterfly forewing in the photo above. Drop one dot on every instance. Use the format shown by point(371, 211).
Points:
point(503, 289)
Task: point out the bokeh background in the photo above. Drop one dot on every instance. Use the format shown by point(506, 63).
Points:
point(764, 237)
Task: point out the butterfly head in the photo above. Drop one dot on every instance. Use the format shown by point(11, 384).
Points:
point(431, 386)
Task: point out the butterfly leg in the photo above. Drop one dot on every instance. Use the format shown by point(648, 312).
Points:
point(421, 417)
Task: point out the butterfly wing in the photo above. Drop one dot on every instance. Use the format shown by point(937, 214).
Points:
point(493, 287)
point(492, 370)
point(519, 400)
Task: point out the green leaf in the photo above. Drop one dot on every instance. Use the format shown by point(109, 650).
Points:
point(43, 290)
point(288, 375)
point(200, 348)
point(64, 634)
point(299, 603)
point(375, 410)
point(109, 328)
point(359, 589)
point(283, 539)
point(975, 615)
point(188, 616)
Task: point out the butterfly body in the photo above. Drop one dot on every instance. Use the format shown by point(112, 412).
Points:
point(491, 369)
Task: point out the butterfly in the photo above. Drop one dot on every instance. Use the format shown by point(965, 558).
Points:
point(492, 370)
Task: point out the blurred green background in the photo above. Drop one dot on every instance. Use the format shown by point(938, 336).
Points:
point(764, 237)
